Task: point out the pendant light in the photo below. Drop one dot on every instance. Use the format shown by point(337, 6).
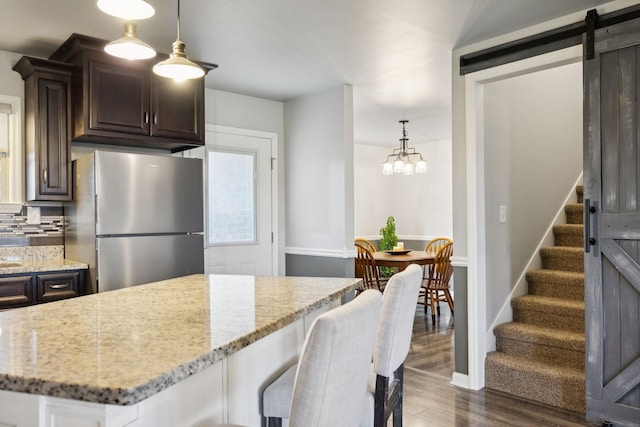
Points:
point(178, 66)
point(128, 46)
point(127, 9)
point(400, 160)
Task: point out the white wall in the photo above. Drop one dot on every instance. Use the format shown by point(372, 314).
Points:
point(533, 156)
point(319, 171)
point(421, 204)
point(10, 81)
point(246, 112)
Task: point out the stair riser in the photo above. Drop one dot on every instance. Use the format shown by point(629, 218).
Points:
point(580, 193)
point(568, 240)
point(541, 353)
point(565, 261)
point(558, 290)
point(574, 216)
point(567, 393)
point(560, 321)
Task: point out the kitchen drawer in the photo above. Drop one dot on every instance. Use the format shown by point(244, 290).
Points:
point(16, 291)
point(55, 286)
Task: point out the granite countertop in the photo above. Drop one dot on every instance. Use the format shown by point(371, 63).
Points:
point(36, 259)
point(123, 346)
point(39, 265)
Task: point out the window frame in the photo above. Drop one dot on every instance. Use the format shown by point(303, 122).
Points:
point(254, 155)
point(15, 163)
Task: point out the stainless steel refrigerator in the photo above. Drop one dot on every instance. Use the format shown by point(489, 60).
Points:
point(136, 218)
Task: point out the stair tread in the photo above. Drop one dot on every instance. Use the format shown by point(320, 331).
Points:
point(535, 366)
point(559, 249)
point(541, 335)
point(560, 386)
point(549, 304)
point(569, 228)
point(556, 274)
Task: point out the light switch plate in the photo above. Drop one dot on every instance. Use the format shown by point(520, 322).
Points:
point(33, 215)
point(503, 214)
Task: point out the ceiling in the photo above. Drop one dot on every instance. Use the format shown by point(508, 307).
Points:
point(397, 55)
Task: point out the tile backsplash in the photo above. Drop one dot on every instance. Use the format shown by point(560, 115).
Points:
point(12, 226)
point(14, 230)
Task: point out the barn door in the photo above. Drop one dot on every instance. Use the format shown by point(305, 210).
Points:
point(612, 261)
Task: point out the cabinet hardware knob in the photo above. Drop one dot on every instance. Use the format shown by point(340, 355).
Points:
point(59, 286)
point(146, 117)
point(44, 176)
point(155, 118)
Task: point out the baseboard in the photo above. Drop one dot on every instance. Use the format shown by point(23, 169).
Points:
point(460, 380)
point(328, 253)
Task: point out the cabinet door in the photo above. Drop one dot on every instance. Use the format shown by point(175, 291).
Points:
point(16, 291)
point(55, 286)
point(118, 98)
point(178, 108)
point(53, 142)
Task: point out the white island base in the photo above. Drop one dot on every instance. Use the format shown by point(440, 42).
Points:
point(228, 391)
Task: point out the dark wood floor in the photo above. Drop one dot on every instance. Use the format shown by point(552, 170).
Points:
point(430, 399)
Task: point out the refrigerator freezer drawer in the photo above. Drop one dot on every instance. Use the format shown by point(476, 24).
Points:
point(129, 261)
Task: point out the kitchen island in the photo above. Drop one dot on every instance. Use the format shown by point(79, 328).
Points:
point(196, 350)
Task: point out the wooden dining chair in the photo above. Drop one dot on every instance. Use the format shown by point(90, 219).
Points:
point(382, 279)
point(434, 245)
point(435, 288)
point(365, 266)
point(366, 243)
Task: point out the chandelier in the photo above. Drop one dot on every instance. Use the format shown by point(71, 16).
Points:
point(404, 160)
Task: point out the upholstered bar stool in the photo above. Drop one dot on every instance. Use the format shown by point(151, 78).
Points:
point(392, 346)
point(331, 379)
point(385, 389)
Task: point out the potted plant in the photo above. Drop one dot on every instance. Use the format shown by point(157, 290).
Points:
point(388, 241)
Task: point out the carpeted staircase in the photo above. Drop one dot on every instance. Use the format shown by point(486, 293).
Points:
point(540, 355)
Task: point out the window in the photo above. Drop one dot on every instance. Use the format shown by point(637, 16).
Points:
point(11, 169)
point(231, 197)
point(6, 136)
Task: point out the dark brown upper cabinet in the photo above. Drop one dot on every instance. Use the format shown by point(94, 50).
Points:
point(117, 101)
point(47, 128)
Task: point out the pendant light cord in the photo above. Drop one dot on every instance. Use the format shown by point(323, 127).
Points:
point(178, 19)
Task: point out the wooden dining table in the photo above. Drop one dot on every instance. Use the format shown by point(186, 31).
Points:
point(400, 262)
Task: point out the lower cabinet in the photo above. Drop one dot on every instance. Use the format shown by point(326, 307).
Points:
point(19, 290)
point(16, 290)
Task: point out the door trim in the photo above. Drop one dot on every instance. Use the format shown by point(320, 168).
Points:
point(476, 243)
point(273, 138)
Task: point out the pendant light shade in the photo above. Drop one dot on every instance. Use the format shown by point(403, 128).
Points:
point(401, 160)
point(178, 66)
point(128, 46)
point(127, 9)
